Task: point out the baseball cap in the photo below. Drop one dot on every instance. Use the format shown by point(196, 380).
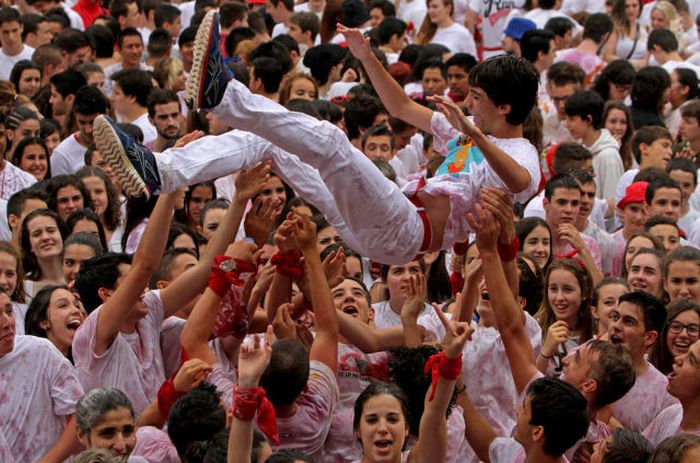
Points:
point(634, 193)
point(518, 26)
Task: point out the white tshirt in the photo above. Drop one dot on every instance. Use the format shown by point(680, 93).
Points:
point(19, 310)
point(579, 6)
point(8, 62)
point(279, 29)
point(667, 424)
point(68, 157)
point(455, 37)
point(384, 317)
point(412, 11)
point(495, 17)
point(670, 66)
point(38, 393)
point(148, 129)
point(133, 363)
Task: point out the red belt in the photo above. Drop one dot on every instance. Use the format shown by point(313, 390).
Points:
point(427, 228)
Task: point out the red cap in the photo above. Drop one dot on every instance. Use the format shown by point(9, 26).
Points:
point(634, 193)
point(256, 2)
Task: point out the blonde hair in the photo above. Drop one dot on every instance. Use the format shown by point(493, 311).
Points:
point(286, 85)
point(167, 70)
point(428, 28)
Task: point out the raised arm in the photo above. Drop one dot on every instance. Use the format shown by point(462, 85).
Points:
point(508, 314)
point(415, 300)
point(66, 445)
point(465, 303)
point(325, 345)
point(478, 431)
point(390, 92)
point(121, 305)
point(368, 338)
point(191, 283)
point(197, 331)
point(432, 443)
point(515, 176)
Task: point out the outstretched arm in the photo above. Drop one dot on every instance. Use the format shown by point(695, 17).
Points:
point(120, 306)
point(66, 445)
point(191, 283)
point(390, 92)
point(515, 176)
point(478, 431)
point(368, 338)
point(508, 315)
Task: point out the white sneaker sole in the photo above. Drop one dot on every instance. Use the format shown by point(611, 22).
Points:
point(193, 88)
point(111, 149)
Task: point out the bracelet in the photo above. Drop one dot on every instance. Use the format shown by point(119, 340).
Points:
point(442, 366)
point(508, 252)
point(249, 400)
point(167, 396)
point(545, 357)
point(226, 271)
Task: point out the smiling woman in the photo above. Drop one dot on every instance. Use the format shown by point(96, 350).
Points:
point(32, 156)
point(42, 246)
point(55, 313)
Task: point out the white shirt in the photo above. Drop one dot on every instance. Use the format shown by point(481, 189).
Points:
point(671, 65)
point(149, 131)
point(8, 62)
point(412, 11)
point(495, 16)
point(68, 157)
point(13, 179)
point(457, 38)
point(108, 88)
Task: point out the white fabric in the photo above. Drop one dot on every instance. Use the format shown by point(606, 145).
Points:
point(625, 45)
point(38, 392)
point(186, 13)
point(13, 179)
point(578, 6)
point(68, 157)
point(148, 129)
point(494, 16)
point(19, 310)
point(667, 424)
point(412, 11)
point(670, 66)
point(8, 62)
point(455, 37)
point(384, 317)
point(607, 164)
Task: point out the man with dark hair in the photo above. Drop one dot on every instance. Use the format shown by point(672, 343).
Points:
point(75, 45)
point(538, 47)
point(584, 119)
point(17, 207)
point(433, 76)
point(13, 49)
point(379, 10)
point(662, 44)
point(596, 31)
point(664, 197)
point(68, 157)
point(233, 15)
point(365, 112)
point(391, 36)
point(186, 46)
point(160, 45)
point(684, 172)
point(64, 86)
point(378, 143)
point(280, 10)
point(37, 30)
point(50, 58)
point(126, 12)
point(130, 45)
point(562, 28)
point(265, 77)
point(665, 230)
point(130, 100)
point(196, 417)
point(167, 17)
point(304, 27)
point(563, 80)
point(165, 115)
point(637, 324)
point(46, 6)
point(458, 67)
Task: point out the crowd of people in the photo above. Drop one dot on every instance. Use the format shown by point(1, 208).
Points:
point(343, 231)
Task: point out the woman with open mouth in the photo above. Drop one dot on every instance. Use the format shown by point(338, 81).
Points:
point(682, 329)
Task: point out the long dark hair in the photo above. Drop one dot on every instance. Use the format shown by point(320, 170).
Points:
point(88, 214)
point(23, 144)
point(438, 280)
point(113, 213)
point(29, 260)
point(137, 210)
point(661, 356)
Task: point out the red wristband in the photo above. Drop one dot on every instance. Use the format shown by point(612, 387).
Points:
point(508, 252)
point(167, 396)
point(441, 366)
point(247, 401)
point(221, 278)
point(289, 264)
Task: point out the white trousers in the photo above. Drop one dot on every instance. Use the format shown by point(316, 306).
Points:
point(369, 211)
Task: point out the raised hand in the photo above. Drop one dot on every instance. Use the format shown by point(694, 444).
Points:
point(243, 250)
point(415, 297)
point(486, 227)
point(260, 220)
point(253, 358)
point(456, 334)
point(334, 267)
point(188, 138)
point(283, 325)
point(357, 43)
point(283, 236)
point(304, 233)
point(569, 234)
point(499, 204)
point(250, 182)
point(557, 333)
point(191, 374)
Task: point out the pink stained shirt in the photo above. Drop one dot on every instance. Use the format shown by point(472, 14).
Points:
point(667, 424)
point(647, 398)
point(133, 363)
point(38, 393)
point(154, 446)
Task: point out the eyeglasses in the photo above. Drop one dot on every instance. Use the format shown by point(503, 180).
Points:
point(676, 327)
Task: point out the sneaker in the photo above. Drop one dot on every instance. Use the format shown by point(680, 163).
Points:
point(132, 163)
point(209, 75)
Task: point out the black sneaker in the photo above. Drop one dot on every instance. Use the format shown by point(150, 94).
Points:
point(209, 75)
point(132, 163)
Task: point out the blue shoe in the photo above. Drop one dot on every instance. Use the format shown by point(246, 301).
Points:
point(132, 163)
point(209, 75)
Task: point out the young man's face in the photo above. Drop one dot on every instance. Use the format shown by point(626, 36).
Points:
point(81, 55)
point(633, 216)
point(11, 35)
point(690, 129)
point(587, 200)
point(684, 381)
point(120, 101)
point(657, 154)
point(577, 366)
point(398, 42)
point(668, 235)
point(626, 327)
point(379, 147)
point(167, 119)
point(558, 94)
point(577, 127)
point(173, 27)
point(132, 16)
point(564, 41)
point(458, 81)
point(59, 105)
point(44, 34)
point(187, 52)
point(296, 33)
point(485, 112)
point(132, 50)
point(278, 12)
point(563, 207)
point(350, 298)
point(433, 81)
point(666, 202)
point(548, 58)
point(84, 122)
point(376, 16)
point(686, 180)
